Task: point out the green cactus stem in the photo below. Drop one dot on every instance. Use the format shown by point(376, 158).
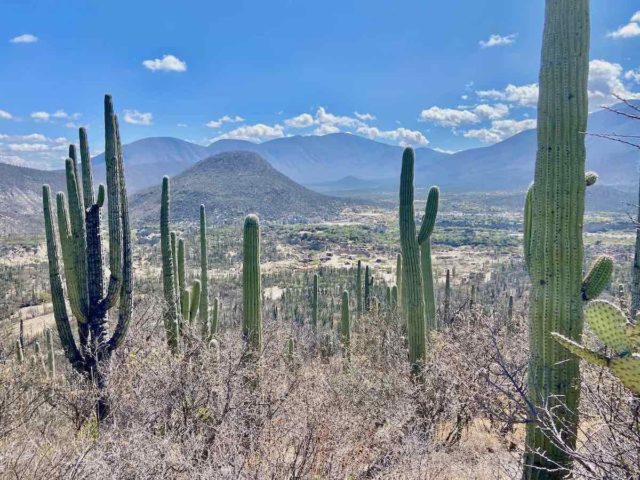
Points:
point(252, 286)
point(597, 279)
point(169, 282)
point(553, 233)
point(213, 324)
point(424, 240)
point(345, 324)
point(51, 356)
point(359, 303)
point(412, 275)
point(204, 274)
point(80, 239)
point(367, 289)
point(19, 353)
point(610, 325)
point(314, 303)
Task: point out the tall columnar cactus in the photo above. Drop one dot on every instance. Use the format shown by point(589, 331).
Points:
point(412, 276)
point(81, 241)
point(204, 275)
point(189, 298)
point(553, 231)
point(169, 281)
point(345, 323)
point(610, 325)
point(213, 324)
point(252, 286)
point(359, 303)
point(367, 289)
point(447, 297)
point(424, 240)
point(314, 303)
point(19, 353)
point(51, 355)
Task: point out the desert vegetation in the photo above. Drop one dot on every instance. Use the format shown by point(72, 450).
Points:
point(432, 336)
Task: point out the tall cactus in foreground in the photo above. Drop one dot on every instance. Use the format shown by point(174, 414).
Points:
point(412, 275)
point(314, 303)
point(80, 238)
point(252, 286)
point(367, 289)
point(169, 280)
point(359, 303)
point(204, 275)
point(610, 325)
point(424, 240)
point(553, 241)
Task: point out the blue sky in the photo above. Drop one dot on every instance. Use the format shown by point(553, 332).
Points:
point(449, 75)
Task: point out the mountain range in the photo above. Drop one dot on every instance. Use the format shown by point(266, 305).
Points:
point(310, 160)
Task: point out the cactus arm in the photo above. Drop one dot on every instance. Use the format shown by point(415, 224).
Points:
point(182, 284)
point(185, 304)
point(87, 175)
point(114, 204)
point(430, 215)
point(251, 285)
point(598, 278)
point(78, 236)
point(411, 270)
point(174, 255)
point(125, 307)
point(204, 273)
point(194, 301)
point(57, 293)
point(583, 352)
point(168, 281)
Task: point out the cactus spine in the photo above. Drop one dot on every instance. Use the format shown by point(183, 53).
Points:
point(169, 282)
point(412, 277)
point(424, 240)
point(79, 232)
point(553, 230)
point(251, 286)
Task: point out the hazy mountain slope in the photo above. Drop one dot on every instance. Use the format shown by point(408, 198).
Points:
point(21, 197)
point(231, 185)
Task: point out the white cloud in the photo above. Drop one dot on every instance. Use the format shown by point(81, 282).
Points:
point(33, 150)
point(254, 133)
point(182, 125)
point(4, 115)
point(301, 121)
point(225, 119)
point(24, 38)
point(41, 116)
point(606, 82)
point(492, 112)
point(632, 75)
point(28, 147)
point(401, 136)
point(630, 30)
point(365, 117)
point(444, 150)
point(522, 95)
point(324, 117)
point(498, 41)
point(138, 118)
point(326, 129)
point(500, 130)
point(448, 117)
point(168, 63)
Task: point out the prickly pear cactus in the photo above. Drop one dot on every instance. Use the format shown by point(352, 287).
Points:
point(610, 325)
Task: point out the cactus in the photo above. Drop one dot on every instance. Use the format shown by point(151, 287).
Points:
point(412, 291)
point(610, 325)
point(19, 353)
point(394, 298)
point(345, 324)
point(314, 303)
point(169, 282)
point(251, 286)
point(204, 275)
point(51, 358)
point(213, 324)
point(424, 240)
point(80, 238)
point(367, 289)
point(597, 279)
point(447, 297)
point(510, 309)
point(553, 241)
point(359, 303)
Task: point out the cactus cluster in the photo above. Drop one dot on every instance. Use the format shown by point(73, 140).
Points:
point(79, 235)
point(183, 304)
